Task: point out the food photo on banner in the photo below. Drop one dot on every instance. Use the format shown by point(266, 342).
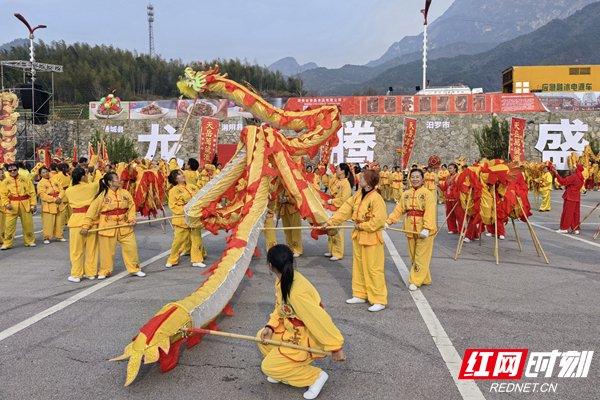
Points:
point(156, 109)
point(202, 108)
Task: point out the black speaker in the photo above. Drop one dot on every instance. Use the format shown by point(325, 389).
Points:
point(39, 98)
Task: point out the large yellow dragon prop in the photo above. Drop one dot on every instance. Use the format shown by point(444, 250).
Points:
point(236, 200)
point(8, 126)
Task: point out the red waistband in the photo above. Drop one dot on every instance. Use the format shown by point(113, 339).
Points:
point(79, 209)
point(116, 211)
point(54, 194)
point(19, 198)
point(415, 213)
point(296, 322)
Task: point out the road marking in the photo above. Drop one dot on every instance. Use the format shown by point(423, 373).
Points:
point(35, 233)
point(574, 237)
point(467, 388)
point(583, 205)
point(81, 295)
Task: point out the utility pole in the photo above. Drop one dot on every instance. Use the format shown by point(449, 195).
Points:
point(150, 12)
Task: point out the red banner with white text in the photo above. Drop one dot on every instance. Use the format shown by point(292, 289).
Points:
point(516, 141)
point(208, 138)
point(408, 141)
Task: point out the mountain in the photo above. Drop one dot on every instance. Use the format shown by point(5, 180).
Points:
point(288, 66)
point(573, 40)
point(484, 23)
point(14, 43)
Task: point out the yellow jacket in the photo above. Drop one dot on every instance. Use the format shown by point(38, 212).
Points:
point(19, 192)
point(114, 208)
point(384, 178)
point(179, 195)
point(79, 197)
point(442, 175)
point(303, 320)
point(430, 178)
point(49, 192)
point(546, 182)
point(419, 209)
point(61, 179)
point(341, 192)
point(191, 177)
point(368, 214)
point(396, 179)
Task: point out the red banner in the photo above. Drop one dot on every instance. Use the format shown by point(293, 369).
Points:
point(408, 141)
point(207, 141)
point(516, 141)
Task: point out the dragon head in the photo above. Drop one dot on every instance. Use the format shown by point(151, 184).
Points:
point(194, 82)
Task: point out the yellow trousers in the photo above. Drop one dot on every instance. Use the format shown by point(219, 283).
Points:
point(546, 204)
point(420, 251)
point(2, 224)
point(368, 275)
point(11, 227)
point(107, 246)
point(336, 244)
point(396, 194)
point(186, 246)
point(270, 234)
point(52, 226)
point(293, 237)
point(282, 368)
point(83, 251)
point(181, 238)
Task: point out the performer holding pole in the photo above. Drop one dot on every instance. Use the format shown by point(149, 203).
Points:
point(341, 191)
point(367, 209)
point(569, 219)
point(113, 206)
point(83, 249)
point(51, 195)
point(418, 205)
point(179, 195)
point(545, 185)
point(290, 217)
point(450, 194)
point(18, 200)
point(298, 317)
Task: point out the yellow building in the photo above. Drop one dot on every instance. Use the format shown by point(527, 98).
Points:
point(551, 78)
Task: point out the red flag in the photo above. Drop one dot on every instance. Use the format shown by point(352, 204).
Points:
point(91, 151)
point(516, 141)
point(408, 141)
point(104, 151)
point(74, 151)
point(59, 152)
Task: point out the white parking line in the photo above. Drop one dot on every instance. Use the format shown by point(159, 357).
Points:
point(574, 237)
point(81, 295)
point(467, 388)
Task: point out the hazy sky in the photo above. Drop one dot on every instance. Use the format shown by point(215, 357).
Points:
point(329, 32)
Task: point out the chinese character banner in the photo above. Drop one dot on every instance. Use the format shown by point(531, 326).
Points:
point(207, 140)
point(516, 141)
point(408, 141)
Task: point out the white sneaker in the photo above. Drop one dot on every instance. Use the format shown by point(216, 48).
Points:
point(412, 287)
point(327, 254)
point(501, 237)
point(91, 278)
point(168, 265)
point(562, 231)
point(32, 245)
point(376, 307)
point(46, 241)
point(467, 240)
point(450, 233)
point(62, 240)
point(488, 234)
point(576, 232)
point(271, 380)
point(314, 389)
point(355, 300)
point(140, 274)
point(74, 279)
point(333, 258)
point(296, 255)
point(4, 248)
point(184, 254)
point(199, 265)
point(101, 277)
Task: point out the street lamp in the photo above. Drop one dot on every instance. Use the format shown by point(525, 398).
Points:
point(425, 11)
point(31, 37)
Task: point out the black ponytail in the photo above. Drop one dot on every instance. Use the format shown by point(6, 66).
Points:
point(105, 183)
point(282, 259)
point(346, 168)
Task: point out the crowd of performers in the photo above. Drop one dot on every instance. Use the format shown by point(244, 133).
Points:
point(98, 202)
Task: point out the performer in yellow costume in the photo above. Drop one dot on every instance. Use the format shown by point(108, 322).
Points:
point(298, 317)
point(385, 183)
point(341, 191)
point(272, 215)
point(290, 217)
point(83, 249)
point(63, 179)
point(190, 172)
point(179, 195)
point(545, 185)
point(367, 209)
point(51, 194)
point(18, 200)
point(113, 206)
point(397, 182)
point(419, 207)
point(442, 175)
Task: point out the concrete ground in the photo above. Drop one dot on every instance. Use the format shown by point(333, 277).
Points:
point(63, 352)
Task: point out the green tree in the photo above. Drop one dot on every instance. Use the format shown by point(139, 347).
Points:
point(120, 149)
point(492, 140)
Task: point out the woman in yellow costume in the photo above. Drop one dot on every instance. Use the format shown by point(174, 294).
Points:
point(179, 195)
point(83, 249)
point(113, 206)
point(419, 208)
point(397, 182)
point(63, 178)
point(190, 172)
point(18, 200)
point(367, 209)
point(298, 317)
point(384, 182)
point(290, 217)
point(341, 191)
point(51, 194)
point(545, 188)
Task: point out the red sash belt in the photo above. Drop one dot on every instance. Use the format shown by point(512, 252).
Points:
point(116, 211)
point(78, 210)
point(296, 322)
point(54, 194)
point(18, 198)
point(415, 213)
